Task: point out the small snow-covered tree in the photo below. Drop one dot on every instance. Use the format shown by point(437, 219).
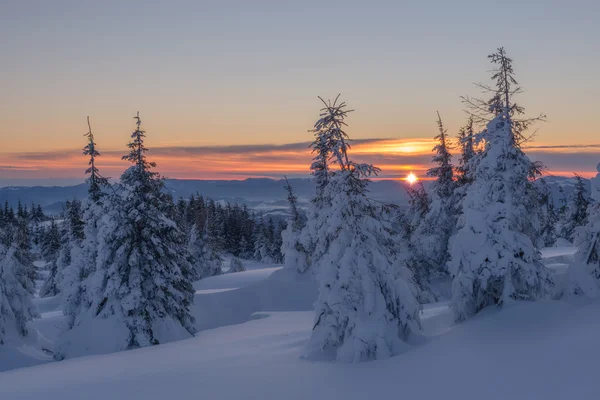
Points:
point(141, 292)
point(466, 143)
point(235, 265)
point(78, 274)
point(16, 293)
point(494, 259)
point(548, 215)
point(206, 260)
point(429, 241)
point(294, 253)
point(576, 212)
point(584, 274)
point(365, 309)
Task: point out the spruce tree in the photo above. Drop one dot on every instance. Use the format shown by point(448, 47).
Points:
point(576, 211)
point(584, 274)
point(16, 291)
point(429, 241)
point(235, 265)
point(294, 253)
point(96, 182)
point(364, 310)
point(206, 260)
point(141, 292)
point(494, 258)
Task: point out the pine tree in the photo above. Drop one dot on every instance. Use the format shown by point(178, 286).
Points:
point(141, 292)
point(494, 258)
point(206, 260)
point(78, 274)
point(50, 251)
point(576, 211)
point(364, 310)
point(292, 249)
point(429, 241)
point(16, 292)
point(96, 182)
point(584, 274)
point(548, 215)
point(466, 142)
point(235, 265)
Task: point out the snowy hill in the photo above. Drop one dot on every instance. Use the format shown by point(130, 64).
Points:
point(264, 194)
point(253, 328)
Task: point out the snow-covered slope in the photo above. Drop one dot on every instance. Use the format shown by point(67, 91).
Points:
point(254, 326)
point(544, 350)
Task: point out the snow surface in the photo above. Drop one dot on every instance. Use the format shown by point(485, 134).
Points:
point(543, 350)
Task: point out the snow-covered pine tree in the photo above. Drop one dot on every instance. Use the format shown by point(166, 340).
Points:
point(141, 292)
point(584, 274)
point(235, 265)
point(72, 233)
point(576, 212)
point(466, 143)
point(548, 215)
point(95, 181)
point(77, 274)
point(364, 310)
point(16, 291)
point(429, 241)
point(494, 259)
point(294, 253)
point(51, 246)
point(206, 260)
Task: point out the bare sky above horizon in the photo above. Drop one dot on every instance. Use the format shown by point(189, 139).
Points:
point(216, 74)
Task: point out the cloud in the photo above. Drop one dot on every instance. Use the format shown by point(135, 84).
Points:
point(396, 158)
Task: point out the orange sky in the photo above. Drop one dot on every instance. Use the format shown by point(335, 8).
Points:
point(396, 158)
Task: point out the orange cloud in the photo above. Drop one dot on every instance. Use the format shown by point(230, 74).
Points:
point(395, 157)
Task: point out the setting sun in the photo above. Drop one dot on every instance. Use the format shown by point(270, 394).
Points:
point(411, 178)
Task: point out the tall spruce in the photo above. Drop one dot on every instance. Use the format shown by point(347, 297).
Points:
point(141, 292)
point(365, 310)
point(494, 258)
point(294, 253)
point(584, 274)
point(429, 241)
point(576, 211)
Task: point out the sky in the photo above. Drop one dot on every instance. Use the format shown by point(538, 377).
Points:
point(228, 89)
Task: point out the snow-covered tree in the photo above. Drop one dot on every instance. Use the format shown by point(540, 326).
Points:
point(548, 215)
point(235, 265)
point(494, 259)
point(576, 211)
point(51, 248)
point(429, 241)
point(466, 143)
point(206, 260)
point(365, 307)
point(72, 233)
point(78, 274)
point(584, 274)
point(294, 253)
point(141, 291)
point(96, 182)
point(16, 292)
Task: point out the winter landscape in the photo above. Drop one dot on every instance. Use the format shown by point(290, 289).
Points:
point(459, 263)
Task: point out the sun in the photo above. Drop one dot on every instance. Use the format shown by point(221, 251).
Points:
point(411, 178)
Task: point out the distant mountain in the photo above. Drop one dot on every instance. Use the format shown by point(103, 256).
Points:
point(257, 193)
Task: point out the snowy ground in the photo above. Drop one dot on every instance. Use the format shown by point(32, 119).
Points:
point(545, 350)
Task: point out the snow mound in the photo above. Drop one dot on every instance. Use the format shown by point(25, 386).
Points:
point(545, 350)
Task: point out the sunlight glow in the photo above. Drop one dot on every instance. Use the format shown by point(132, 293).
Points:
point(411, 178)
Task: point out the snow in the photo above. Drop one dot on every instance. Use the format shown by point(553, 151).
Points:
point(550, 252)
point(253, 329)
point(261, 358)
